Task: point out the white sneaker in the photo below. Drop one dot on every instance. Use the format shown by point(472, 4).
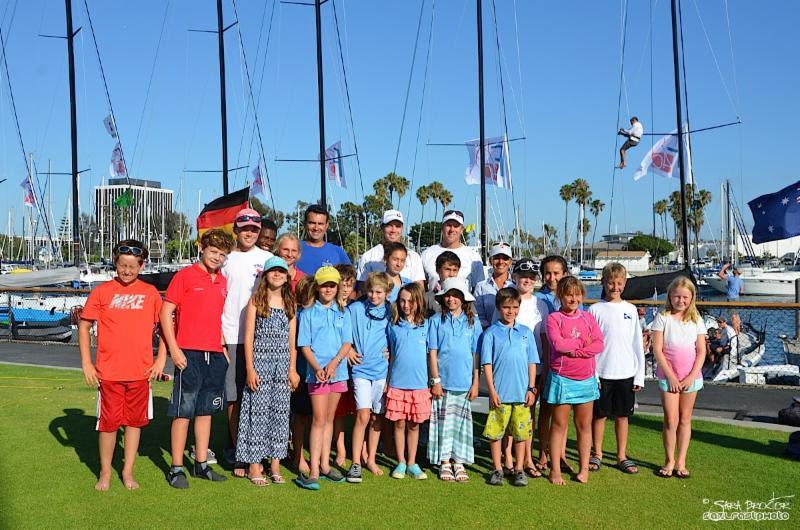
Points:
point(212, 458)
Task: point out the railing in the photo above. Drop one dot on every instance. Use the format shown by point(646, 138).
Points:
point(766, 349)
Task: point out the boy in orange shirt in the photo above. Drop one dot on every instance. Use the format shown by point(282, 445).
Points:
point(126, 311)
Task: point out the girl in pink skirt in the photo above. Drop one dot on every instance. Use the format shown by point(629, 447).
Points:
point(408, 398)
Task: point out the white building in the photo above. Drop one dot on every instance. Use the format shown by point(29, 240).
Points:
point(633, 260)
point(144, 219)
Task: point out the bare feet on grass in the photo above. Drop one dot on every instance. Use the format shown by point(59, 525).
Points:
point(103, 482)
point(130, 482)
point(556, 479)
point(373, 467)
point(583, 476)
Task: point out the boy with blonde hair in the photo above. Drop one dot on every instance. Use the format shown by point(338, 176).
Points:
point(620, 366)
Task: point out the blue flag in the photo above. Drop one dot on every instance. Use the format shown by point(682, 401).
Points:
point(776, 215)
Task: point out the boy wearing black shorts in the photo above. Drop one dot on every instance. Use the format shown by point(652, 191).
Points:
point(620, 367)
point(196, 295)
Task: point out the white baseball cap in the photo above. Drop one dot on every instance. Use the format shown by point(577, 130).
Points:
point(392, 215)
point(501, 249)
point(453, 215)
point(456, 284)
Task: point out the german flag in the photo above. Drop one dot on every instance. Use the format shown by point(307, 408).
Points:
point(221, 212)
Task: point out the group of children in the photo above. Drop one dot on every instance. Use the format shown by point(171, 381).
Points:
point(311, 356)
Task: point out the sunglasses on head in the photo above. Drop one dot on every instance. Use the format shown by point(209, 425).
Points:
point(135, 251)
point(526, 266)
point(246, 218)
point(457, 212)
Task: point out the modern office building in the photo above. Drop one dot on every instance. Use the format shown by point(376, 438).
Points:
point(144, 219)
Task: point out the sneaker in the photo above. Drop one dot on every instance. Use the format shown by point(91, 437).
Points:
point(306, 482)
point(212, 457)
point(496, 478)
point(177, 478)
point(399, 471)
point(354, 474)
point(334, 475)
point(520, 479)
point(203, 470)
point(416, 472)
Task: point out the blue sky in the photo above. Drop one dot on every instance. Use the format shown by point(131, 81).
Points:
point(561, 71)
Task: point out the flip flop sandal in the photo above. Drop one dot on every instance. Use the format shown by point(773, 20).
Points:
point(508, 471)
point(240, 470)
point(566, 468)
point(533, 472)
point(595, 463)
point(544, 468)
point(665, 473)
point(446, 473)
point(277, 478)
point(627, 466)
point(683, 474)
point(259, 481)
point(461, 473)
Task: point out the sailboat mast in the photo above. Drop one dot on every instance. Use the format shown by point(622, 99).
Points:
point(222, 101)
point(323, 201)
point(482, 151)
point(73, 124)
point(681, 156)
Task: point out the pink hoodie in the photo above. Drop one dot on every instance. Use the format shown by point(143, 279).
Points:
point(569, 333)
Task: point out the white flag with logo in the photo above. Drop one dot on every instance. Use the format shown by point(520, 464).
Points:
point(333, 161)
point(29, 199)
point(258, 187)
point(497, 169)
point(111, 127)
point(663, 157)
point(117, 167)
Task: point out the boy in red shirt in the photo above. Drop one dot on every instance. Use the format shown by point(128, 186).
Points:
point(126, 311)
point(196, 295)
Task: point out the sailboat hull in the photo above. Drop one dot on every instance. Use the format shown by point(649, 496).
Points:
point(766, 284)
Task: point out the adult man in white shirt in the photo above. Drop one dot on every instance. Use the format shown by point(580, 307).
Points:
point(471, 263)
point(241, 269)
point(372, 260)
point(634, 135)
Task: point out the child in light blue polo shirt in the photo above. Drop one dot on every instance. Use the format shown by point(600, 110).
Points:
point(394, 257)
point(453, 345)
point(324, 337)
point(509, 357)
point(371, 318)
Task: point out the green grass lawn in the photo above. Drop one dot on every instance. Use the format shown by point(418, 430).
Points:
point(49, 464)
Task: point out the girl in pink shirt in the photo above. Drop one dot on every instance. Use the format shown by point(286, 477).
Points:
point(679, 346)
point(575, 339)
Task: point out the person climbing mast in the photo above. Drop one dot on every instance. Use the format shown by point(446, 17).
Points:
point(634, 135)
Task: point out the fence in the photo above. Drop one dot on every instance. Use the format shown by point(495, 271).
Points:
point(764, 347)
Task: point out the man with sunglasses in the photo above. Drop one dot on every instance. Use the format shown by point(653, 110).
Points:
point(486, 290)
point(471, 264)
point(241, 269)
point(372, 260)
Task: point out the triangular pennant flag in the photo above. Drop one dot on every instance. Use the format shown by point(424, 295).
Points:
point(125, 200)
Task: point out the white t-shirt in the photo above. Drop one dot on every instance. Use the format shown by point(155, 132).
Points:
point(241, 269)
point(636, 131)
point(623, 352)
point(471, 265)
point(372, 261)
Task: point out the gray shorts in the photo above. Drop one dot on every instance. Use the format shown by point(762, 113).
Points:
point(236, 376)
point(628, 144)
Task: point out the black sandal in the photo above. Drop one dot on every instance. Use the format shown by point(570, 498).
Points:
point(595, 463)
point(628, 467)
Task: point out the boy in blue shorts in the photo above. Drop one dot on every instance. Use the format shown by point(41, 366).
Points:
point(509, 358)
point(196, 295)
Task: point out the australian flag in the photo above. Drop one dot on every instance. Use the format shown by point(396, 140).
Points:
point(776, 215)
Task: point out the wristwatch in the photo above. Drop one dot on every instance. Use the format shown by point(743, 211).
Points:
point(533, 390)
point(434, 381)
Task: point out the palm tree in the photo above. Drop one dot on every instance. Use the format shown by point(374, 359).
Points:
point(566, 194)
point(423, 196)
point(396, 184)
point(581, 193)
point(696, 218)
point(550, 236)
point(596, 207)
point(435, 191)
point(660, 208)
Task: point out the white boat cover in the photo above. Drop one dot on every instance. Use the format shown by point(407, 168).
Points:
point(39, 278)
